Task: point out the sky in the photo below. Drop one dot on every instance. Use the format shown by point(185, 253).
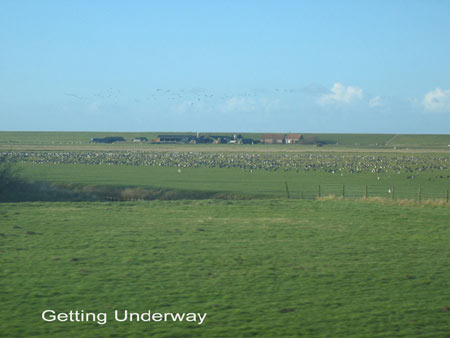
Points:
point(237, 66)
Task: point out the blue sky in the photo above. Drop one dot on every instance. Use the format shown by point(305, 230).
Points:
point(305, 66)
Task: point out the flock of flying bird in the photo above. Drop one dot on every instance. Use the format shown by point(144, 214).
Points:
point(192, 96)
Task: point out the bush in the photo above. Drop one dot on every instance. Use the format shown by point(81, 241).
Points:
point(9, 176)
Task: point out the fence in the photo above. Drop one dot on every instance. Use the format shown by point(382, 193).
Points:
point(364, 191)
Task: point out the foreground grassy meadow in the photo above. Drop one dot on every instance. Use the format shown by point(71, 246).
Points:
point(267, 268)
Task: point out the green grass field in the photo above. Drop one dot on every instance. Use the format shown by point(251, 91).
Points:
point(258, 263)
point(244, 182)
point(266, 268)
point(10, 139)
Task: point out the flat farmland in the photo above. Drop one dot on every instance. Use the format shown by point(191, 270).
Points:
point(82, 140)
point(266, 268)
point(294, 175)
point(224, 169)
point(246, 183)
point(269, 241)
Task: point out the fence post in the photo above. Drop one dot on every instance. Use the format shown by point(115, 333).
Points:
point(420, 194)
point(301, 194)
point(365, 192)
point(343, 191)
point(287, 189)
point(319, 191)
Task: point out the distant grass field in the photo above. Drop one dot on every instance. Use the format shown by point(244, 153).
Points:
point(82, 139)
point(266, 268)
point(425, 140)
point(244, 182)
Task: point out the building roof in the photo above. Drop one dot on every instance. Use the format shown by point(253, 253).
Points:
point(175, 136)
point(220, 136)
point(294, 136)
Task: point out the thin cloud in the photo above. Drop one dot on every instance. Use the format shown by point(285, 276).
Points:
point(341, 94)
point(437, 101)
point(376, 102)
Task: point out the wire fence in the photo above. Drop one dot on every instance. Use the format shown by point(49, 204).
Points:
point(362, 191)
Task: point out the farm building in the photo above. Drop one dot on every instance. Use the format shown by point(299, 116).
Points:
point(201, 139)
point(239, 139)
point(273, 138)
point(140, 139)
point(294, 138)
point(218, 139)
point(243, 140)
point(195, 139)
point(110, 139)
point(175, 138)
